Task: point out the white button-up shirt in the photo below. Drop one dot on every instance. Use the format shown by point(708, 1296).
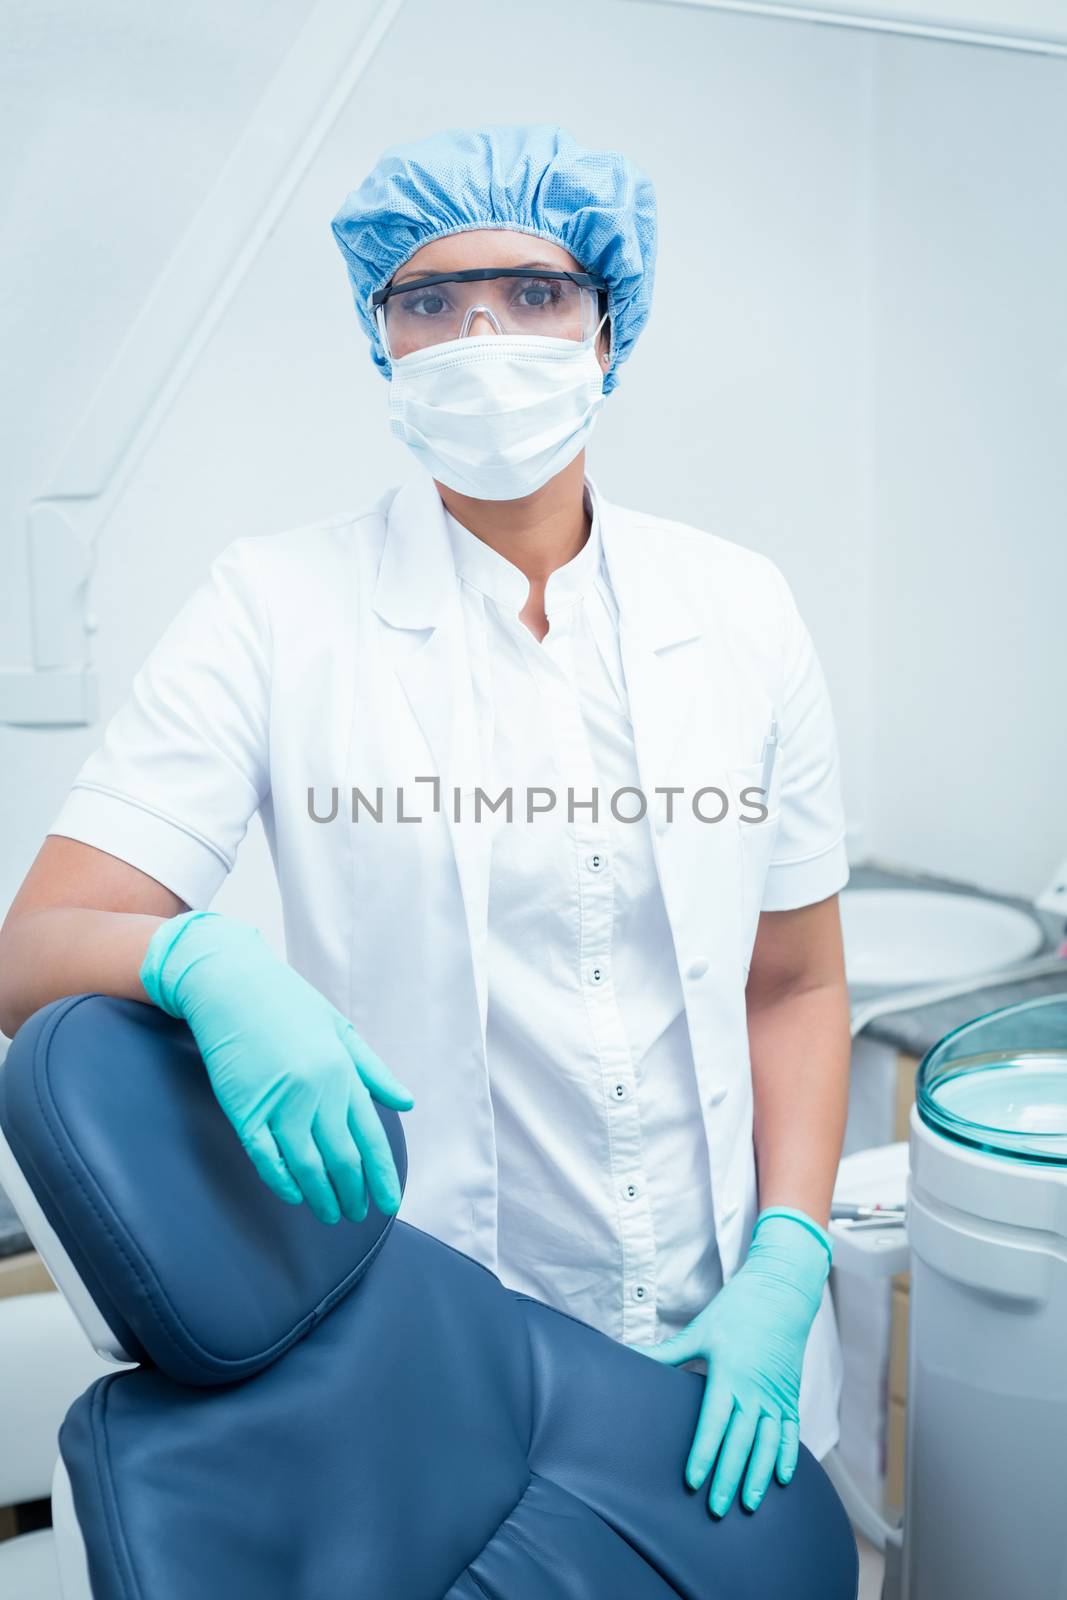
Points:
point(605, 1205)
point(338, 653)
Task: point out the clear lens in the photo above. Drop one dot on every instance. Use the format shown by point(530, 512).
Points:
point(999, 1083)
point(416, 317)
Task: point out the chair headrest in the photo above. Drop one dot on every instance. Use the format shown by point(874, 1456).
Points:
point(194, 1264)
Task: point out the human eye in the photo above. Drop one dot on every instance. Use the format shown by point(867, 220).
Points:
point(538, 294)
point(424, 303)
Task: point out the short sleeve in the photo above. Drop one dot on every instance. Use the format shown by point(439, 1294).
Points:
point(809, 861)
point(184, 762)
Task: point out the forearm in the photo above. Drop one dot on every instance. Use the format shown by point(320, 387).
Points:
point(47, 954)
point(800, 1046)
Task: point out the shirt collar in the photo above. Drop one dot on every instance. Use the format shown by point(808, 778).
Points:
point(492, 574)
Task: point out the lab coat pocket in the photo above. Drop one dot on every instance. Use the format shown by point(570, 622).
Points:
point(756, 817)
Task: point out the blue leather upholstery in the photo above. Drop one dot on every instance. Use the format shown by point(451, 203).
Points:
point(350, 1411)
point(194, 1263)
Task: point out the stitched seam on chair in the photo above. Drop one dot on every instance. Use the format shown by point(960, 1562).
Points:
point(478, 1584)
point(470, 1260)
point(105, 1477)
point(147, 1282)
point(469, 1568)
point(534, 1413)
point(556, 1311)
point(507, 1531)
point(151, 1285)
point(678, 1593)
point(578, 1500)
point(533, 1390)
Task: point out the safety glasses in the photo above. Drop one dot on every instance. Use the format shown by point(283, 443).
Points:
point(439, 306)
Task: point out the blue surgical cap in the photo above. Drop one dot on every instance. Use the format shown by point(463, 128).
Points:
point(533, 179)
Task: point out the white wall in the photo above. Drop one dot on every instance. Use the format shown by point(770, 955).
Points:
point(969, 480)
point(822, 195)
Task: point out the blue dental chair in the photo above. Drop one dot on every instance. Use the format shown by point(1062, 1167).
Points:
point(310, 1413)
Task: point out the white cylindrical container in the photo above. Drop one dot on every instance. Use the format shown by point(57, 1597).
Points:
point(985, 1510)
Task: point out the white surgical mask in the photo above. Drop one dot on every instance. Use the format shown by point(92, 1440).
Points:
point(497, 415)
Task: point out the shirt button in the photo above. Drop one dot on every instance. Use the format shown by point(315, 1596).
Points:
point(594, 862)
point(620, 1091)
point(631, 1191)
point(729, 1213)
point(639, 1291)
point(717, 1098)
point(597, 975)
point(697, 969)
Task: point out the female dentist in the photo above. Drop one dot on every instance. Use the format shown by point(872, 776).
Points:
point(551, 789)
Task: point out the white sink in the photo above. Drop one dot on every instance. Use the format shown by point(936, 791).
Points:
point(904, 937)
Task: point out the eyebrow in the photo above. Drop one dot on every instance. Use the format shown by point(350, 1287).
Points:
point(553, 266)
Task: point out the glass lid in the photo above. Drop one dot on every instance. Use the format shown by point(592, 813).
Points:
point(999, 1083)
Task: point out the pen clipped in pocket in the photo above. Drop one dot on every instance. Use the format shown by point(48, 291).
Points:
point(757, 791)
point(757, 786)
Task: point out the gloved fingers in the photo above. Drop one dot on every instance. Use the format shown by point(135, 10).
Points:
point(374, 1072)
point(761, 1462)
point(789, 1449)
point(715, 1411)
point(736, 1449)
point(262, 1149)
point(378, 1165)
point(302, 1157)
point(340, 1154)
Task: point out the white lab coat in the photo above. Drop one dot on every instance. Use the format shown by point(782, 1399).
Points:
point(334, 655)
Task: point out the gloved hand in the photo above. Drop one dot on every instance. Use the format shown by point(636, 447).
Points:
point(291, 1073)
point(752, 1335)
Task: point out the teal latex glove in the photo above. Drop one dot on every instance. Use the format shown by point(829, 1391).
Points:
point(752, 1335)
point(291, 1073)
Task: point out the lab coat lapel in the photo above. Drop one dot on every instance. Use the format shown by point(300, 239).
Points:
point(661, 640)
point(416, 583)
point(417, 589)
point(683, 698)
